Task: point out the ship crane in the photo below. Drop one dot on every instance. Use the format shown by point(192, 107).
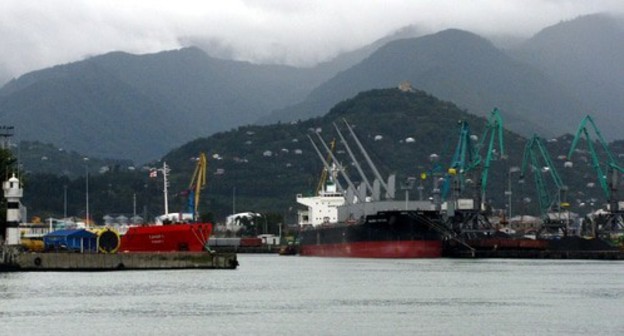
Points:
point(198, 181)
point(339, 167)
point(365, 191)
point(552, 203)
point(325, 172)
point(469, 219)
point(607, 177)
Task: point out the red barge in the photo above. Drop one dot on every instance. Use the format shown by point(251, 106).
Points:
point(166, 238)
point(173, 232)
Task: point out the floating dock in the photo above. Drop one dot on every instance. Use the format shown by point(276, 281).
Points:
point(563, 248)
point(12, 260)
point(536, 254)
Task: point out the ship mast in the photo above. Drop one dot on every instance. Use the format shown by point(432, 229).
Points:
point(165, 170)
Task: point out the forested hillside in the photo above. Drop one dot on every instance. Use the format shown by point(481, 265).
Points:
point(263, 168)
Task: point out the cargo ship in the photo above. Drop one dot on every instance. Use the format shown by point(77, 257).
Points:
point(365, 221)
point(386, 234)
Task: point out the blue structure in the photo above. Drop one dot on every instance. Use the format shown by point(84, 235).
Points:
point(71, 240)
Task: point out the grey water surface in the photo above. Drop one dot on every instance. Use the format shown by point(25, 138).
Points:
point(293, 295)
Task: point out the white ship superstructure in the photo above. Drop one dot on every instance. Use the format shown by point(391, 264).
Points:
point(322, 208)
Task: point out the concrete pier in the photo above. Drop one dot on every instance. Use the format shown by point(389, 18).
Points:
point(27, 261)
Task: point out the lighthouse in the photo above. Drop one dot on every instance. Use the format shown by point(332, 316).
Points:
point(12, 193)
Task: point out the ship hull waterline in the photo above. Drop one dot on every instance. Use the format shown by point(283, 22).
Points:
point(376, 249)
point(386, 234)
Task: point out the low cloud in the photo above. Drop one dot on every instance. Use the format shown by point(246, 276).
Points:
point(40, 34)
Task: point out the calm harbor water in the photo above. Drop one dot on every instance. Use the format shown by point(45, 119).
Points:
point(278, 295)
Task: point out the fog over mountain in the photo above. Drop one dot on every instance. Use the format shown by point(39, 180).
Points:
point(139, 106)
point(585, 55)
point(37, 35)
point(457, 66)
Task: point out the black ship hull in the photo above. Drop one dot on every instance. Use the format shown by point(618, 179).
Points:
point(387, 234)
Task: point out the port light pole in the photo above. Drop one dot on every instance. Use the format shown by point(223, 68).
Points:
point(509, 193)
point(407, 185)
point(86, 191)
point(165, 171)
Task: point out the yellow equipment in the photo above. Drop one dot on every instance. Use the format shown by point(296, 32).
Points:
point(198, 181)
point(108, 240)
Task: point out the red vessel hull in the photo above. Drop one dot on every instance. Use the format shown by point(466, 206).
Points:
point(377, 249)
point(166, 238)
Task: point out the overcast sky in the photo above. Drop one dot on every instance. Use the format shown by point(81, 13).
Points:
point(39, 34)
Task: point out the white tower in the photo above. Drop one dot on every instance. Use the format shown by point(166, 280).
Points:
point(13, 193)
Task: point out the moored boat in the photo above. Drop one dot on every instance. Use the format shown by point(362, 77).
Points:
point(172, 232)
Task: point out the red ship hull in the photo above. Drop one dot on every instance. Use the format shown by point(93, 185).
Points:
point(166, 238)
point(376, 249)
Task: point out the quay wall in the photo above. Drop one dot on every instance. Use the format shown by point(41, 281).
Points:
point(121, 261)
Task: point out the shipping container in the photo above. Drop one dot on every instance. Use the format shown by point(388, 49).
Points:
point(71, 240)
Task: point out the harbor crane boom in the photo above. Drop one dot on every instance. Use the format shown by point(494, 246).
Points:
point(470, 219)
point(462, 157)
point(198, 181)
point(493, 129)
point(607, 177)
point(611, 162)
point(537, 159)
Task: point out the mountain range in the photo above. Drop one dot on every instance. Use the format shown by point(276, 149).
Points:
point(139, 107)
point(457, 66)
point(262, 168)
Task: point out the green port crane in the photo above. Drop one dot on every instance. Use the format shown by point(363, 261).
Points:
point(607, 177)
point(462, 158)
point(467, 159)
point(552, 203)
point(493, 130)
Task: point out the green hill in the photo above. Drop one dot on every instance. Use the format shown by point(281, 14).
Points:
point(263, 168)
point(138, 107)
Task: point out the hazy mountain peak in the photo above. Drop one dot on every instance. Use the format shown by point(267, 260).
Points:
point(585, 56)
point(593, 28)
